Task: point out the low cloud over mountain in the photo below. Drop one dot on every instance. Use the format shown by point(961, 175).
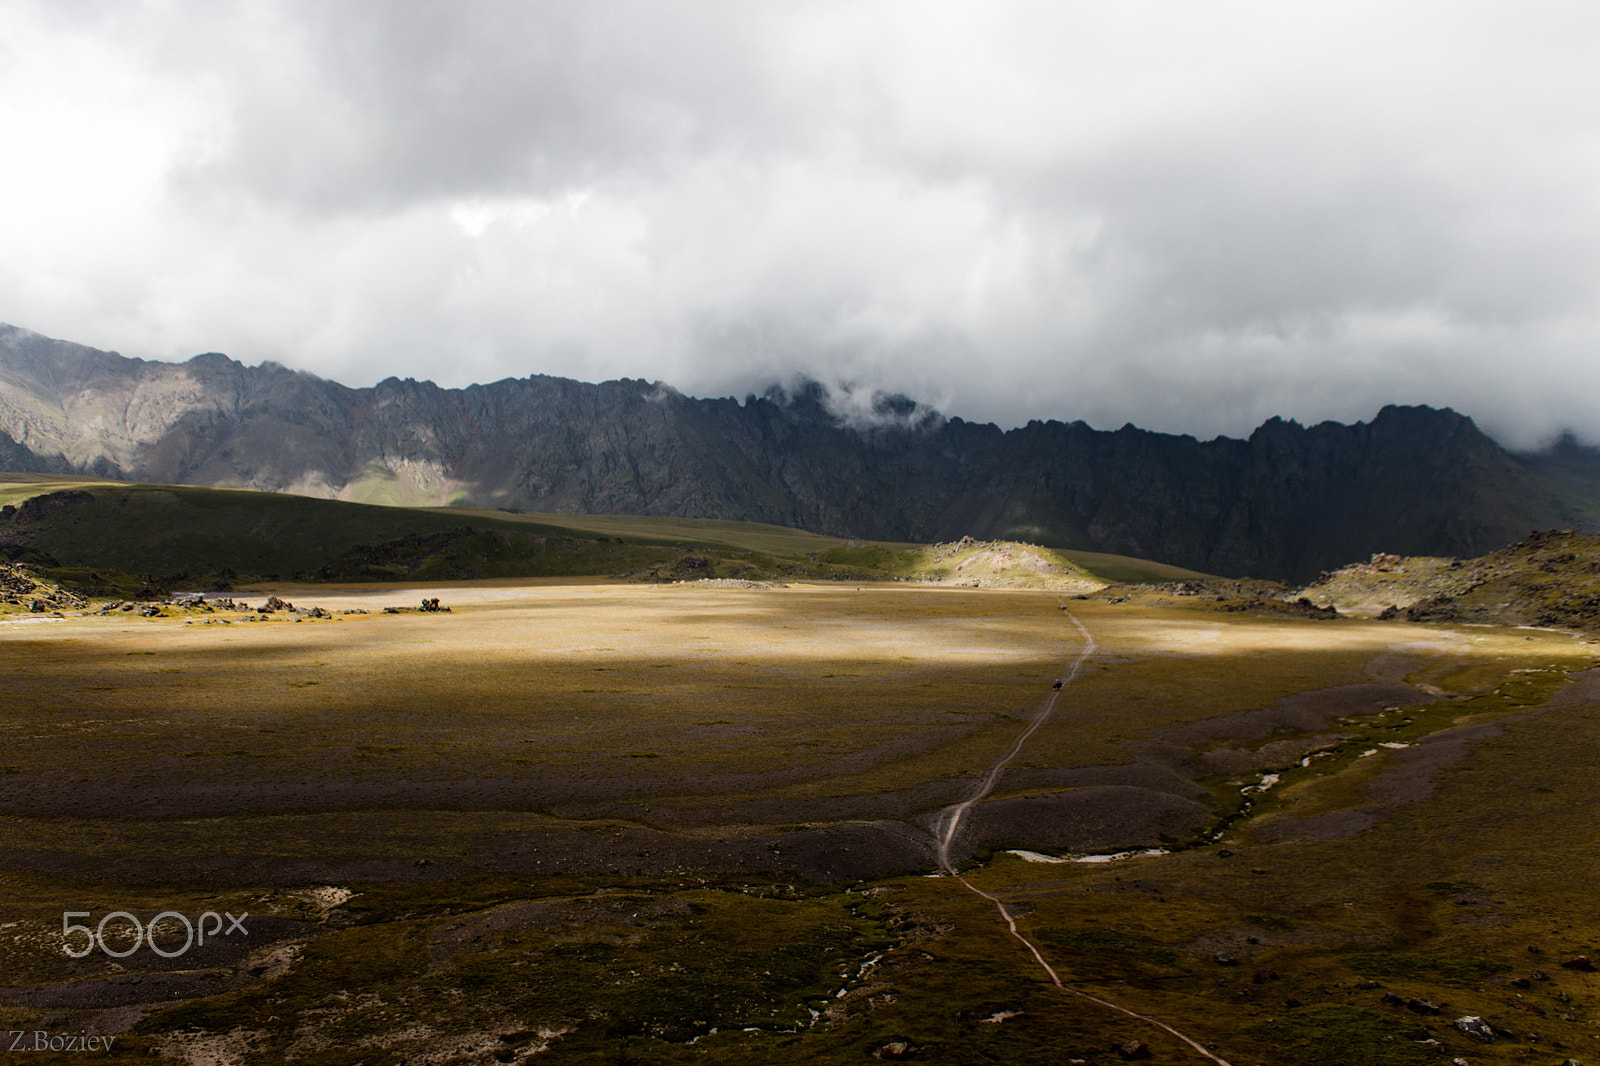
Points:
point(1287, 502)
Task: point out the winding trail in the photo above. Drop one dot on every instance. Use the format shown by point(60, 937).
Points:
point(950, 819)
point(949, 824)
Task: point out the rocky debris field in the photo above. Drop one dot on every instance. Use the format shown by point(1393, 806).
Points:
point(1551, 579)
point(23, 591)
point(1217, 594)
point(21, 588)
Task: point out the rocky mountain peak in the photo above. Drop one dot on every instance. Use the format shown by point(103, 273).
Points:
point(1287, 502)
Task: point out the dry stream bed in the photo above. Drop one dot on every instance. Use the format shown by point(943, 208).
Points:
point(600, 823)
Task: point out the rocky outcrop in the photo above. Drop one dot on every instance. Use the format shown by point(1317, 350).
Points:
point(1288, 502)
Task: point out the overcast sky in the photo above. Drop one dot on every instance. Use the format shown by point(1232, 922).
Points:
point(1188, 216)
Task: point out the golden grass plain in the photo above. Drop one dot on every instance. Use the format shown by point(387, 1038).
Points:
point(754, 771)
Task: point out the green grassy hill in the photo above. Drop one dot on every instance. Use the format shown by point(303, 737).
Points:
point(116, 536)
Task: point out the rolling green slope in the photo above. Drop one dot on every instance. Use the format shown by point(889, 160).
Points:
point(165, 534)
point(743, 536)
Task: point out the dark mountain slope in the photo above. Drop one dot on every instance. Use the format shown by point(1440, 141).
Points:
point(1288, 502)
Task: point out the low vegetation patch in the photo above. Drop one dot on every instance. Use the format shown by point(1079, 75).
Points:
point(1343, 1034)
point(1456, 969)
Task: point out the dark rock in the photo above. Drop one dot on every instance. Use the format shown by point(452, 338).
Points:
point(1422, 1006)
point(1539, 975)
point(896, 1049)
point(1261, 977)
point(1521, 982)
point(1439, 608)
point(1475, 1028)
point(1133, 1050)
point(1579, 962)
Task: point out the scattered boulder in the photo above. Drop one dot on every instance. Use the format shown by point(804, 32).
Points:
point(14, 581)
point(1475, 1028)
point(431, 606)
point(896, 1049)
point(1579, 962)
point(1422, 1006)
point(1133, 1050)
point(1440, 608)
point(1313, 610)
point(1222, 958)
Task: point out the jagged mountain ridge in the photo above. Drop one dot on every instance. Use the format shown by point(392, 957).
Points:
point(1288, 502)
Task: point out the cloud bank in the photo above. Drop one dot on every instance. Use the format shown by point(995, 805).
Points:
point(1190, 217)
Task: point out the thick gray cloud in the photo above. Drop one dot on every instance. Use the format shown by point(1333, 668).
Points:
point(1191, 217)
